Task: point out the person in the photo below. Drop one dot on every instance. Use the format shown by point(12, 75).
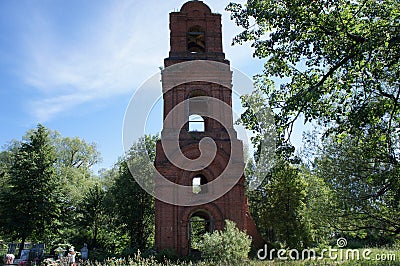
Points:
point(71, 257)
point(84, 252)
point(9, 259)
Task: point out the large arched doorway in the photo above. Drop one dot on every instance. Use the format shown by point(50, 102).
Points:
point(200, 222)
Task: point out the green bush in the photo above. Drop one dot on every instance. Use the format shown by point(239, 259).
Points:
point(166, 254)
point(230, 245)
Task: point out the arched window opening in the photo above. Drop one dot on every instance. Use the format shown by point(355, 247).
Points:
point(196, 123)
point(197, 182)
point(196, 40)
point(199, 223)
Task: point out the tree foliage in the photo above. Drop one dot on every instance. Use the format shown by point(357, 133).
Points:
point(44, 167)
point(92, 213)
point(337, 66)
point(132, 206)
point(76, 152)
point(31, 205)
point(339, 61)
point(341, 58)
point(75, 158)
point(276, 206)
point(366, 186)
point(50, 194)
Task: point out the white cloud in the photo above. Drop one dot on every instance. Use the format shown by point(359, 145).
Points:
point(111, 54)
point(48, 107)
point(110, 60)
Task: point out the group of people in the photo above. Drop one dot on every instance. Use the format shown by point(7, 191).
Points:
point(9, 258)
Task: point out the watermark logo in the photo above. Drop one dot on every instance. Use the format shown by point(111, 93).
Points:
point(341, 242)
point(215, 77)
point(339, 253)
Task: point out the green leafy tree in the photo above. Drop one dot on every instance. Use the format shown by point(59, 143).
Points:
point(337, 65)
point(319, 213)
point(75, 158)
point(76, 152)
point(278, 205)
point(340, 60)
point(293, 206)
point(92, 213)
point(366, 186)
point(132, 206)
point(6, 160)
point(33, 199)
point(279, 202)
point(71, 168)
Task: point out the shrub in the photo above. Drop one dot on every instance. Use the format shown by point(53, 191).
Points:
point(166, 254)
point(229, 245)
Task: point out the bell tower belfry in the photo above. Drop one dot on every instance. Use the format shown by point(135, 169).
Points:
point(196, 109)
point(195, 33)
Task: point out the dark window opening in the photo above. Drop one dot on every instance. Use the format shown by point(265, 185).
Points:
point(196, 40)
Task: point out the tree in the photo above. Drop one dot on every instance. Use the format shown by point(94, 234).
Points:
point(277, 206)
point(319, 213)
point(365, 185)
point(339, 61)
point(132, 206)
point(75, 158)
point(92, 213)
point(32, 200)
point(73, 181)
point(341, 58)
point(338, 66)
point(76, 152)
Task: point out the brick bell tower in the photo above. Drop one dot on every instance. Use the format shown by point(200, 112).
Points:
point(195, 34)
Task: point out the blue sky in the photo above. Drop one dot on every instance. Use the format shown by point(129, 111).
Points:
point(73, 65)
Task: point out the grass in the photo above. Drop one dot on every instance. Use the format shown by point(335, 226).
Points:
point(392, 258)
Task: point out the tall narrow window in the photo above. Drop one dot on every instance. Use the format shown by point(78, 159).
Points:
point(196, 40)
point(196, 123)
point(197, 181)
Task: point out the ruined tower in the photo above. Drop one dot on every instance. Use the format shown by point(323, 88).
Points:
point(196, 34)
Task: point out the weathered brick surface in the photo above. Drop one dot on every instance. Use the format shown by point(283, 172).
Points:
point(172, 221)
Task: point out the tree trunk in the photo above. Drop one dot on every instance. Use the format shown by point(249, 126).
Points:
point(95, 230)
point(21, 246)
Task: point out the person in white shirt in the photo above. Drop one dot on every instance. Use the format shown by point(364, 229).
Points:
point(71, 257)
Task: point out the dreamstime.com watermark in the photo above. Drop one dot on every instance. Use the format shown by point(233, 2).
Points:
point(330, 253)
